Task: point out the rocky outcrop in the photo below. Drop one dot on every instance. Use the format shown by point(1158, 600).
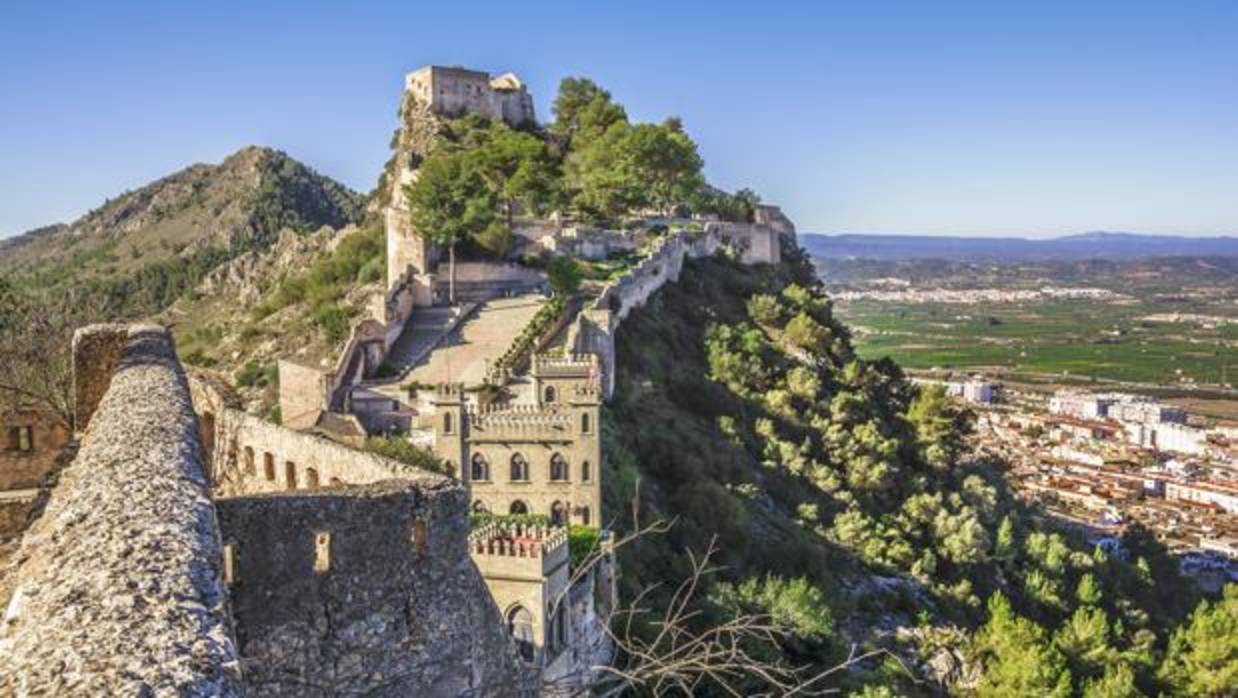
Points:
point(118, 589)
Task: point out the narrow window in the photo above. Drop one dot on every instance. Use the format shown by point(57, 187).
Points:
point(250, 468)
point(584, 516)
point(549, 394)
point(421, 537)
point(322, 552)
point(480, 469)
point(311, 478)
point(25, 438)
point(229, 565)
point(268, 467)
point(558, 468)
point(290, 475)
point(586, 472)
point(520, 468)
point(447, 423)
point(584, 423)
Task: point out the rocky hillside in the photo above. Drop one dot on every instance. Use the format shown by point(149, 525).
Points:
point(144, 248)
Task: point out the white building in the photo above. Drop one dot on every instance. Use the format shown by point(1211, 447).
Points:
point(1211, 493)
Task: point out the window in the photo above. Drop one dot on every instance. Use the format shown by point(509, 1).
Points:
point(520, 625)
point(311, 478)
point(586, 472)
point(290, 475)
point(479, 507)
point(558, 468)
point(549, 394)
point(21, 438)
point(558, 514)
point(520, 468)
point(268, 467)
point(322, 552)
point(480, 469)
point(447, 423)
point(518, 507)
point(584, 516)
point(584, 423)
point(250, 467)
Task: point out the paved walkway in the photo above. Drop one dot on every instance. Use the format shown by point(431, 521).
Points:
point(420, 334)
point(482, 338)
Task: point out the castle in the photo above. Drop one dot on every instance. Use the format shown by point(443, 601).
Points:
point(223, 554)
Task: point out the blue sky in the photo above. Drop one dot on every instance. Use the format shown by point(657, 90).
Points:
point(1004, 118)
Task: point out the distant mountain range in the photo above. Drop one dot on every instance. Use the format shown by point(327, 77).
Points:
point(1095, 245)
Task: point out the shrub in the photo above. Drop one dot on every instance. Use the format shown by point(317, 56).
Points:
point(403, 451)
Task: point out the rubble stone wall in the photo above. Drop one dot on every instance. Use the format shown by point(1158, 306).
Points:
point(364, 590)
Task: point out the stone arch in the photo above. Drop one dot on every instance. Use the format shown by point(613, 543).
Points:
point(290, 475)
point(311, 478)
point(518, 507)
point(549, 395)
point(251, 468)
point(558, 514)
point(479, 507)
point(520, 468)
point(586, 471)
point(558, 468)
point(268, 466)
point(520, 625)
point(480, 468)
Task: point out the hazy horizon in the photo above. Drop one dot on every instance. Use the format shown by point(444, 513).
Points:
point(956, 119)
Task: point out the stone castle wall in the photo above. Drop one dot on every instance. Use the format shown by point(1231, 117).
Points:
point(249, 455)
point(366, 591)
point(119, 586)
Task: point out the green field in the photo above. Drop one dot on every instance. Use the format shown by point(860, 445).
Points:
point(1079, 338)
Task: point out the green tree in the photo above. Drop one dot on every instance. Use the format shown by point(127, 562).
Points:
point(583, 112)
point(664, 162)
point(450, 202)
point(1018, 658)
point(1202, 660)
point(564, 274)
point(1088, 592)
point(940, 425)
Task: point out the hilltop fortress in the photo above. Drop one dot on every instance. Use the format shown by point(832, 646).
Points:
point(190, 548)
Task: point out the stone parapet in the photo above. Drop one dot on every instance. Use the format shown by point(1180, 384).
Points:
point(119, 586)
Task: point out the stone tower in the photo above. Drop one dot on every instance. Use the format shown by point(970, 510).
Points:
point(430, 94)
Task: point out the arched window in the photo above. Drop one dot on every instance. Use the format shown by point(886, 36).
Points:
point(479, 507)
point(548, 395)
point(518, 507)
point(481, 468)
point(558, 468)
point(250, 467)
point(290, 475)
point(586, 472)
point(311, 478)
point(584, 423)
point(558, 514)
point(520, 625)
point(268, 467)
point(447, 423)
point(520, 468)
point(584, 516)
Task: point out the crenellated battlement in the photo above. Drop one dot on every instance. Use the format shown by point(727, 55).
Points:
point(502, 544)
point(519, 423)
point(449, 392)
point(571, 366)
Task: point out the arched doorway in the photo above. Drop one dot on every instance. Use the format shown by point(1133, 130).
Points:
point(558, 514)
point(518, 507)
point(520, 625)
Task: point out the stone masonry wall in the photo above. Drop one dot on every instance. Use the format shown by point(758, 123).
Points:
point(364, 591)
point(119, 586)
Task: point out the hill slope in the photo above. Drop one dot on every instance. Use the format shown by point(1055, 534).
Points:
point(145, 247)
